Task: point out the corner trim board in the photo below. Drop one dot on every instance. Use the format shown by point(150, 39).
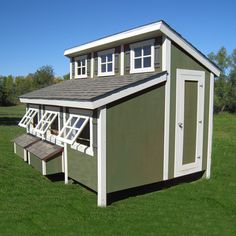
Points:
point(101, 159)
point(210, 126)
point(166, 60)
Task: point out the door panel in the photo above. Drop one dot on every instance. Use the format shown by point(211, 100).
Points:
point(189, 121)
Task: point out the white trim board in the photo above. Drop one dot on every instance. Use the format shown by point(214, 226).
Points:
point(100, 102)
point(101, 159)
point(166, 60)
point(183, 75)
point(157, 26)
point(210, 126)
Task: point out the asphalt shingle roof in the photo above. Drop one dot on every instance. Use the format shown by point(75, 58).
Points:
point(44, 150)
point(90, 89)
point(25, 140)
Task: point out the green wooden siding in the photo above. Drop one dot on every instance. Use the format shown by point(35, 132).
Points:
point(135, 135)
point(190, 121)
point(82, 168)
point(20, 151)
point(35, 162)
point(54, 166)
point(181, 60)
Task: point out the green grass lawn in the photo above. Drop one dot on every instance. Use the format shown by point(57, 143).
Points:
point(30, 204)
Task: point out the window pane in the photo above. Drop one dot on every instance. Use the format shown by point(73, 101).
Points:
point(103, 67)
point(109, 57)
point(146, 62)
point(83, 71)
point(109, 67)
point(84, 137)
point(147, 50)
point(83, 62)
point(79, 71)
point(103, 58)
point(137, 52)
point(137, 63)
point(79, 123)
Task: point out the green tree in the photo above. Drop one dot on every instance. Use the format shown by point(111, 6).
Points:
point(225, 85)
point(66, 77)
point(8, 91)
point(43, 77)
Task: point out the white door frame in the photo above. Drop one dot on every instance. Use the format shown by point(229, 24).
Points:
point(183, 75)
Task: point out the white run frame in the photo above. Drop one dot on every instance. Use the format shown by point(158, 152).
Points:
point(72, 129)
point(45, 122)
point(28, 117)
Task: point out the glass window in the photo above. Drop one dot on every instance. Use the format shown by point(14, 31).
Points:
point(72, 129)
point(106, 63)
point(81, 67)
point(28, 117)
point(142, 56)
point(46, 121)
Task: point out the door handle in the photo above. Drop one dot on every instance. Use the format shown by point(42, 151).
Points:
point(180, 124)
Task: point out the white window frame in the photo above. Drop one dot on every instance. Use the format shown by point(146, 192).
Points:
point(30, 113)
point(77, 66)
point(101, 53)
point(39, 130)
point(132, 56)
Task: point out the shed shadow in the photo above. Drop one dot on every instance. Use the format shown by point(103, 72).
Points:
point(9, 120)
point(136, 191)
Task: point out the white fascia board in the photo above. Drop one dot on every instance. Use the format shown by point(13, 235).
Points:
point(113, 38)
point(188, 48)
point(101, 102)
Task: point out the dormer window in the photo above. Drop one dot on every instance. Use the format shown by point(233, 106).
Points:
point(142, 57)
point(81, 67)
point(106, 63)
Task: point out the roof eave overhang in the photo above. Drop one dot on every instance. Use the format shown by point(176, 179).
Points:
point(100, 102)
point(158, 26)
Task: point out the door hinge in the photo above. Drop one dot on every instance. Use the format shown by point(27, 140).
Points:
point(201, 85)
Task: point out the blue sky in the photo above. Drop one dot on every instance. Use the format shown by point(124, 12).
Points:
point(36, 33)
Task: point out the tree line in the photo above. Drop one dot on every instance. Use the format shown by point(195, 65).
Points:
point(225, 85)
point(224, 93)
point(12, 87)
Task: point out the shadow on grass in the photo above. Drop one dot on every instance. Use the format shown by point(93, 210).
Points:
point(123, 194)
point(9, 120)
point(137, 191)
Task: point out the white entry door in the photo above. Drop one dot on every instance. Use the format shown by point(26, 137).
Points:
point(189, 121)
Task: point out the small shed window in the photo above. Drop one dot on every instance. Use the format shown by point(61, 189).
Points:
point(46, 121)
point(73, 128)
point(142, 57)
point(106, 62)
point(28, 117)
point(81, 67)
point(84, 137)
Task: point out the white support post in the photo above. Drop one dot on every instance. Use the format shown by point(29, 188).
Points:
point(92, 65)
point(71, 69)
point(210, 126)
point(65, 151)
point(29, 158)
point(122, 57)
point(101, 162)
point(14, 147)
point(25, 155)
point(43, 167)
point(166, 66)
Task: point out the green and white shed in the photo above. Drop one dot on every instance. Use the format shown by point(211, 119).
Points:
point(137, 111)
